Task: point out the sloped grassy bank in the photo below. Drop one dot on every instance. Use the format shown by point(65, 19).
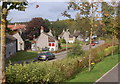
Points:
point(98, 70)
point(57, 71)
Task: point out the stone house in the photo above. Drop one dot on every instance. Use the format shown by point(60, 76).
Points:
point(78, 35)
point(11, 45)
point(69, 38)
point(46, 40)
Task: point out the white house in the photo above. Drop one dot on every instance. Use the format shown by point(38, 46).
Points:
point(46, 40)
point(69, 38)
point(78, 35)
point(20, 42)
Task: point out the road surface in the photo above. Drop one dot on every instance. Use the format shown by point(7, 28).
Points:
point(111, 76)
point(63, 54)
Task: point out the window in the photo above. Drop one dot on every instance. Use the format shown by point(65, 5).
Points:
point(53, 44)
point(49, 44)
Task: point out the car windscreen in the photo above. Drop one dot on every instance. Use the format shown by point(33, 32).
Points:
point(48, 53)
point(42, 54)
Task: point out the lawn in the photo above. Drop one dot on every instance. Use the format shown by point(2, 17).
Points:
point(21, 56)
point(98, 70)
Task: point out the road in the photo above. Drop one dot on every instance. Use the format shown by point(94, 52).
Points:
point(63, 54)
point(86, 47)
point(111, 76)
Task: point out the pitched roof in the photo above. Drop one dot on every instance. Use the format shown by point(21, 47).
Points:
point(17, 26)
point(61, 34)
point(77, 33)
point(50, 38)
point(71, 36)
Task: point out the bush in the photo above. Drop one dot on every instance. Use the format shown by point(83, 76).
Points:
point(76, 50)
point(62, 41)
point(57, 71)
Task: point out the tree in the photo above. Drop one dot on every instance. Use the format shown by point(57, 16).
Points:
point(86, 10)
point(33, 27)
point(58, 26)
point(6, 7)
point(76, 50)
point(62, 41)
point(109, 17)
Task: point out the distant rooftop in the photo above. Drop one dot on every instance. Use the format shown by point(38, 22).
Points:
point(16, 26)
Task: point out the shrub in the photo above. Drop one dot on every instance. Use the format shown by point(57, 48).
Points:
point(57, 71)
point(76, 50)
point(62, 41)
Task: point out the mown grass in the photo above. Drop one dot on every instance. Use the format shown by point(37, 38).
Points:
point(21, 56)
point(98, 70)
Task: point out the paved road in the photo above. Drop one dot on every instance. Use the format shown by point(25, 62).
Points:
point(111, 76)
point(63, 54)
point(86, 47)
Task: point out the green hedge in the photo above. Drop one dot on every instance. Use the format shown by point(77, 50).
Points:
point(57, 71)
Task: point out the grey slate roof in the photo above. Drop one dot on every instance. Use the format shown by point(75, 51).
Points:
point(61, 34)
point(77, 33)
point(50, 38)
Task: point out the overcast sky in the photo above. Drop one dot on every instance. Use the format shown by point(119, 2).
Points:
point(46, 10)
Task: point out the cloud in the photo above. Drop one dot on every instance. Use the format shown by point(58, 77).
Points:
point(46, 10)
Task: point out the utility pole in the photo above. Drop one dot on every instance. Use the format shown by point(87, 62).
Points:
point(91, 32)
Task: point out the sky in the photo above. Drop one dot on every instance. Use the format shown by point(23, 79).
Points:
point(47, 10)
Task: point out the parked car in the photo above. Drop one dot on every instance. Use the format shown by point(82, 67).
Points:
point(45, 49)
point(93, 44)
point(96, 42)
point(45, 56)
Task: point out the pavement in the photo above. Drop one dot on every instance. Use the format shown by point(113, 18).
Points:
point(112, 76)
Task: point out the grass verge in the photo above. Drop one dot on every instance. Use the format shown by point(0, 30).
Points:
point(99, 69)
point(21, 56)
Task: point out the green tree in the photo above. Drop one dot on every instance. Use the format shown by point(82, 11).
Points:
point(58, 26)
point(109, 18)
point(62, 41)
point(6, 7)
point(76, 50)
point(33, 27)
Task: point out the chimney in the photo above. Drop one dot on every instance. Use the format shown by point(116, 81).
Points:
point(42, 29)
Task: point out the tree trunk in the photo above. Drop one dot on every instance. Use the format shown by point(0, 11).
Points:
point(90, 50)
point(112, 44)
point(3, 45)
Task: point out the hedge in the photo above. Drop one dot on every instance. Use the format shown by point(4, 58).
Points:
point(57, 71)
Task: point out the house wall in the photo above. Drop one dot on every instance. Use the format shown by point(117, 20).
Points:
point(79, 38)
point(20, 42)
point(42, 41)
point(66, 36)
point(11, 49)
point(55, 47)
